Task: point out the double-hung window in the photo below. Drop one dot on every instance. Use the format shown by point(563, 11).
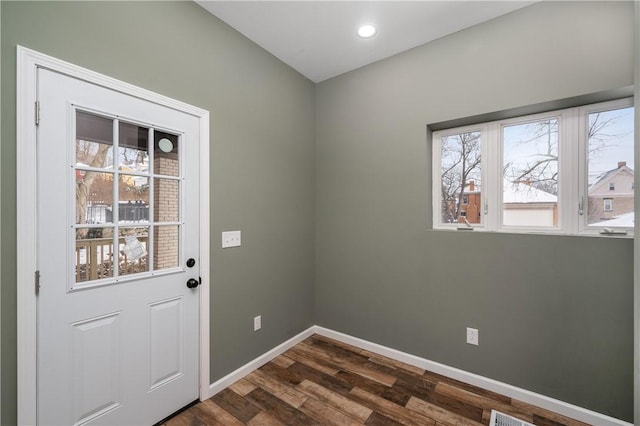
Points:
point(569, 171)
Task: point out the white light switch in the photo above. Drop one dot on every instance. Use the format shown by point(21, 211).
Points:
point(231, 239)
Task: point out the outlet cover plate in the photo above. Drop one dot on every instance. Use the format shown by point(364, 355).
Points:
point(257, 323)
point(473, 337)
point(231, 239)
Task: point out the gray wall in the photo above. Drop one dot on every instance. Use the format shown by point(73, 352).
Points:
point(555, 313)
point(262, 156)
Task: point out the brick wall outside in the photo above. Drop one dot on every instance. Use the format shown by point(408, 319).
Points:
point(621, 205)
point(166, 209)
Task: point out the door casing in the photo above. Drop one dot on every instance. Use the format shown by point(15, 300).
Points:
point(28, 61)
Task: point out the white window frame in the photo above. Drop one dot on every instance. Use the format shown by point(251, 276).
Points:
point(437, 179)
point(604, 204)
point(572, 173)
point(116, 224)
point(564, 184)
point(583, 226)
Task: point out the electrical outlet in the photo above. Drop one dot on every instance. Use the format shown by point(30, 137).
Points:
point(257, 323)
point(231, 239)
point(473, 337)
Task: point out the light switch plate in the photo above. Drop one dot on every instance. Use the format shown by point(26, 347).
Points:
point(231, 239)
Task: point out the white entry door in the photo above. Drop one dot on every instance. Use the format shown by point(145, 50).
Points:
point(118, 240)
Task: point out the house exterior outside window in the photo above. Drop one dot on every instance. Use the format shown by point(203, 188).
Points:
point(553, 172)
point(471, 202)
point(605, 202)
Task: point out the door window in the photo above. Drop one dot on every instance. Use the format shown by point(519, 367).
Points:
point(127, 203)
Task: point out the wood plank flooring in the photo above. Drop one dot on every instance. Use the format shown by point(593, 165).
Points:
point(325, 382)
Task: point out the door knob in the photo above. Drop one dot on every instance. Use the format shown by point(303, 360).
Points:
point(193, 283)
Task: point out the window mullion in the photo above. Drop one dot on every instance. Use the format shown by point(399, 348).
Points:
point(491, 191)
point(582, 152)
point(436, 179)
point(116, 199)
point(568, 168)
point(151, 243)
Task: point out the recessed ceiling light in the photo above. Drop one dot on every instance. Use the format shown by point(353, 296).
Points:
point(367, 31)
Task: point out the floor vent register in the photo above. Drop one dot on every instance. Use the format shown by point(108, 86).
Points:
point(501, 419)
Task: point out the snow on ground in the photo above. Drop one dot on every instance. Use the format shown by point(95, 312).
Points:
point(625, 220)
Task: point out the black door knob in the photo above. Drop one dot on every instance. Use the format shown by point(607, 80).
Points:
point(193, 283)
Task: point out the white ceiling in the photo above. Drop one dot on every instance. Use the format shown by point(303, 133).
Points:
point(319, 40)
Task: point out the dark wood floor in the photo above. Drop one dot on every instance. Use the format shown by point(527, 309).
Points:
point(325, 382)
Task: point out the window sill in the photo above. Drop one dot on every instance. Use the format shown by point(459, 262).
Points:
point(587, 233)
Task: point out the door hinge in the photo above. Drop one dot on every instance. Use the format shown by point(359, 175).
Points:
point(37, 280)
point(37, 106)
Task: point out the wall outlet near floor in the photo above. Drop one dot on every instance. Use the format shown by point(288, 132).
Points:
point(257, 323)
point(473, 336)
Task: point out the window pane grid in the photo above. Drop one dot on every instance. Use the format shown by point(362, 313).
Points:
point(540, 173)
point(127, 205)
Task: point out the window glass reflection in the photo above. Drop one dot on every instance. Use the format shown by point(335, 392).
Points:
point(93, 254)
point(94, 141)
point(94, 197)
point(165, 154)
point(167, 246)
point(133, 256)
point(133, 148)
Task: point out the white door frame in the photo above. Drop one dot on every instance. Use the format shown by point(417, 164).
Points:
point(28, 61)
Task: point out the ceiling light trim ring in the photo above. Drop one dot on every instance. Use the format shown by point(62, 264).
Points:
point(367, 31)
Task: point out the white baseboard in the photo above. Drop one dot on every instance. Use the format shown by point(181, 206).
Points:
point(520, 394)
point(238, 374)
point(514, 392)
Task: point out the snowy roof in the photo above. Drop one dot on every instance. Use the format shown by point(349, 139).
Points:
point(476, 188)
point(606, 175)
point(625, 220)
point(523, 193)
point(132, 167)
